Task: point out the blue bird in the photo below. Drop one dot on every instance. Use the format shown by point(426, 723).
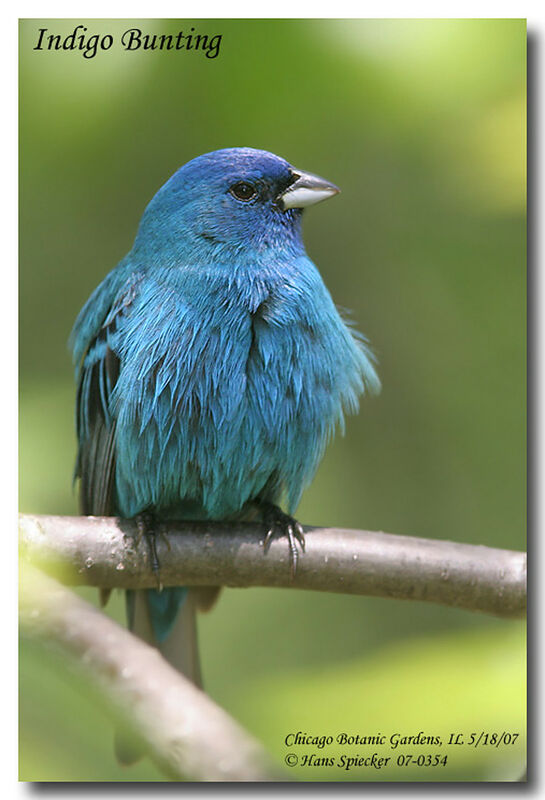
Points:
point(213, 368)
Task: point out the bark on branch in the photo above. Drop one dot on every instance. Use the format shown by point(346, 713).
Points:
point(106, 552)
point(185, 732)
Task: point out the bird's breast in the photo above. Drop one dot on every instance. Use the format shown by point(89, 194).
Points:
point(221, 399)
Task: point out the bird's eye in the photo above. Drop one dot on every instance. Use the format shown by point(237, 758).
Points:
point(243, 191)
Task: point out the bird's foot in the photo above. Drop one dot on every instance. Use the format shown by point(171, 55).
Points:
point(146, 525)
point(278, 523)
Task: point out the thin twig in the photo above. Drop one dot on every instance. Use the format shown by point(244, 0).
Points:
point(106, 552)
point(184, 731)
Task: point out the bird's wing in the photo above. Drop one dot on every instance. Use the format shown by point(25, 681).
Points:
point(95, 422)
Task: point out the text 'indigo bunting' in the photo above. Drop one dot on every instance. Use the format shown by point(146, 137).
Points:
point(212, 367)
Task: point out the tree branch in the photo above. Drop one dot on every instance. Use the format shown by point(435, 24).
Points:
point(186, 733)
point(106, 552)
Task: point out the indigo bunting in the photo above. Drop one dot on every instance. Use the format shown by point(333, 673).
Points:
point(212, 367)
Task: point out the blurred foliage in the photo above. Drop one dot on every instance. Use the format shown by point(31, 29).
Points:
point(422, 124)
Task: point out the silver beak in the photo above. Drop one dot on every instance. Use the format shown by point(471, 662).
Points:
point(306, 190)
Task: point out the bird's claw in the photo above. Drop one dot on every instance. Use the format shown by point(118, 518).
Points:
point(281, 524)
point(146, 527)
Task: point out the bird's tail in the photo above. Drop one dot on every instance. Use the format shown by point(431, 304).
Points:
point(166, 620)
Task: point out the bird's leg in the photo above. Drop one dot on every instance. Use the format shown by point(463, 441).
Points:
point(146, 526)
point(278, 523)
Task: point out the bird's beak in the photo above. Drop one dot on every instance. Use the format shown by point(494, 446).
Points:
point(305, 190)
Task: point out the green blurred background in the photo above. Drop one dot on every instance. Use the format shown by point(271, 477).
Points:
point(422, 125)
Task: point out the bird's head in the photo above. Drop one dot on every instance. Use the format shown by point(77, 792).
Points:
point(230, 202)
